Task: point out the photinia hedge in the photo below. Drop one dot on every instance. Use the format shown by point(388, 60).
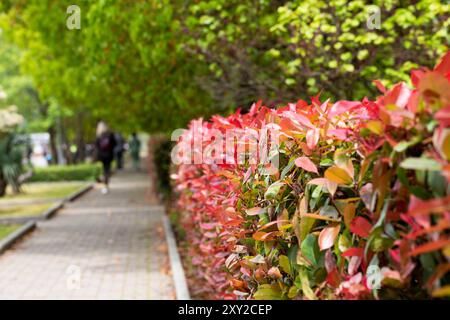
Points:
point(356, 205)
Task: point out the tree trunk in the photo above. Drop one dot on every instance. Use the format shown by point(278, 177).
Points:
point(81, 150)
point(52, 132)
point(3, 186)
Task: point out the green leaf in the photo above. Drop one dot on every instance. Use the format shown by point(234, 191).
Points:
point(326, 162)
point(306, 224)
point(317, 192)
point(307, 291)
point(403, 145)
point(310, 249)
point(437, 182)
point(273, 190)
point(383, 214)
point(268, 292)
point(287, 168)
point(285, 264)
point(292, 292)
point(292, 254)
point(421, 164)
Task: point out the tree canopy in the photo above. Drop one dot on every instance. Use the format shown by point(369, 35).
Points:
point(153, 65)
point(123, 65)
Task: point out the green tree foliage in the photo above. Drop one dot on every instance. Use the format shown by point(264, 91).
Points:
point(124, 65)
point(155, 64)
point(268, 49)
point(19, 89)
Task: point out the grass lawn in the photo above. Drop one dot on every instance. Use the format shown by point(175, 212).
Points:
point(25, 209)
point(44, 190)
point(6, 229)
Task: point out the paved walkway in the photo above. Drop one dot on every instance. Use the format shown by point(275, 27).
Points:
point(98, 247)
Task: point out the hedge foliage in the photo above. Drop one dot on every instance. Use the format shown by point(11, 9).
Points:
point(162, 166)
point(359, 207)
point(80, 172)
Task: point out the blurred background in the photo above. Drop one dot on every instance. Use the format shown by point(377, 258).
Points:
point(150, 66)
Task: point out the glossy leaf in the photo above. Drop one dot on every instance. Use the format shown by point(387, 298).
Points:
point(307, 291)
point(310, 249)
point(338, 175)
point(429, 247)
point(273, 190)
point(255, 211)
point(306, 164)
point(328, 236)
point(421, 164)
point(285, 264)
point(360, 227)
point(268, 292)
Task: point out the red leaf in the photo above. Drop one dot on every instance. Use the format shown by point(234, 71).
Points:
point(312, 138)
point(379, 85)
point(350, 252)
point(414, 100)
point(443, 116)
point(306, 164)
point(430, 246)
point(416, 75)
point(398, 95)
point(299, 118)
point(435, 87)
point(342, 107)
point(360, 227)
point(208, 226)
point(439, 205)
point(444, 65)
point(340, 134)
point(334, 278)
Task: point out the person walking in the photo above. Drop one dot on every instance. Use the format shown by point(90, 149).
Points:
point(135, 149)
point(119, 150)
point(105, 144)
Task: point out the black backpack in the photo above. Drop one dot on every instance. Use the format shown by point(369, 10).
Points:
point(104, 143)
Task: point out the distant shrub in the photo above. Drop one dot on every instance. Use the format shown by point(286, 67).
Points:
point(11, 149)
point(358, 208)
point(162, 166)
point(80, 172)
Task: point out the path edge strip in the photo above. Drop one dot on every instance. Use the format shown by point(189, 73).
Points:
point(12, 238)
point(179, 278)
point(50, 212)
point(79, 193)
point(75, 195)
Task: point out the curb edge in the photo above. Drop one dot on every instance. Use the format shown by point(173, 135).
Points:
point(178, 276)
point(16, 235)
